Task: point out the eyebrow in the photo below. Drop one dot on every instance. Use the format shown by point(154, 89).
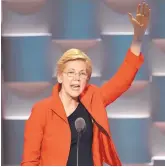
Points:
point(75, 70)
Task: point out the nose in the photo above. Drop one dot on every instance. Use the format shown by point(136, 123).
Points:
point(77, 76)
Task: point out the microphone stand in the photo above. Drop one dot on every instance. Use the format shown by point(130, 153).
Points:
point(78, 141)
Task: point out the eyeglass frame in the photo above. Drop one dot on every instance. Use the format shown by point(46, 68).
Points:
point(75, 73)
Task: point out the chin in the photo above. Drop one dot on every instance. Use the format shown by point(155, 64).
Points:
point(75, 94)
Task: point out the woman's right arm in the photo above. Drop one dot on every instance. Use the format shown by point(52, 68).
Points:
point(33, 136)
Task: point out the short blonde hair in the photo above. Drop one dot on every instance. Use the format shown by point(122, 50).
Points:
point(74, 54)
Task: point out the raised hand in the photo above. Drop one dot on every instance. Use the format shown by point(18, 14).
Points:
point(141, 21)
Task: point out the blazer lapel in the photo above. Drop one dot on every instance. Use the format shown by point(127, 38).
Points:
point(91, 99)
point(56, 104)
point(86, 98)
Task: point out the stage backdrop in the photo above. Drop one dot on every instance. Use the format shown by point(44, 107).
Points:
point(35, 33)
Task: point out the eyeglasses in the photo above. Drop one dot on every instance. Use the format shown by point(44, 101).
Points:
point(72, 74)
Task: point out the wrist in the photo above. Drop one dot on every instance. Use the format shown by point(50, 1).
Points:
point(136, 47)
point(137, 39)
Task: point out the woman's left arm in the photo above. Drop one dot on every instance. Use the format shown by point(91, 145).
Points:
point(125, 75)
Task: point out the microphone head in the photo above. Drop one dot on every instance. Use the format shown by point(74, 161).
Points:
point(80, 124)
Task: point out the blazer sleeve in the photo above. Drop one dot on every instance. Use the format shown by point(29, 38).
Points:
point(33, 135)
point(122, 80)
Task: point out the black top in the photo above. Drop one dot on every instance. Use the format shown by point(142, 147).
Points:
point(85, 144)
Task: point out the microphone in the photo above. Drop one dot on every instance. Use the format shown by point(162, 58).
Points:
point(80, 126)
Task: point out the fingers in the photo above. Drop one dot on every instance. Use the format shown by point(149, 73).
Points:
point(148, 11)
point(138, 9)
point(143, 9)
point(133, 20)
point(130, 16)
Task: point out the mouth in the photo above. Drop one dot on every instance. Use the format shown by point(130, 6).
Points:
point(75, 86)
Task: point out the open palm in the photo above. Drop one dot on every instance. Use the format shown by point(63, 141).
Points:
point(141, 21)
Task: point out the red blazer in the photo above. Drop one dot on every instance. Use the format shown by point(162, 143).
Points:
point(47, 135)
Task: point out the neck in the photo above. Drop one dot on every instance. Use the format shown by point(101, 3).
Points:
point(67, 100)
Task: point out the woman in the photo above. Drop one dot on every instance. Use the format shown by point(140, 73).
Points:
point(50, 134)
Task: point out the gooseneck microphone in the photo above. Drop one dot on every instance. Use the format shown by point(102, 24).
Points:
point(80, 126)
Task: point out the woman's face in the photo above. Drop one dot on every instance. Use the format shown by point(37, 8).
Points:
point(74, 78)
